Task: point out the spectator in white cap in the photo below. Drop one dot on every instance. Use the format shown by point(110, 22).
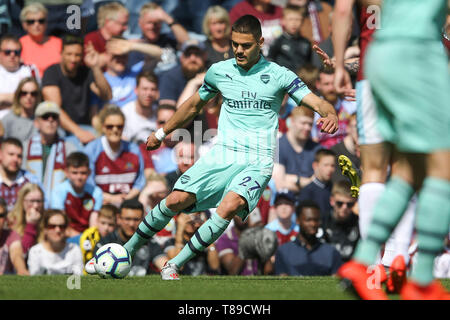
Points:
point(45, 152)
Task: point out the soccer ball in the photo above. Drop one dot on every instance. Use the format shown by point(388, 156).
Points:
point(112, 261)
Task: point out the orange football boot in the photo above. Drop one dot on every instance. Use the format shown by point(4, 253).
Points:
point(433, 291)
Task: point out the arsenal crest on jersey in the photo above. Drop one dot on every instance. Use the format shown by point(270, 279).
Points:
point(265, 78)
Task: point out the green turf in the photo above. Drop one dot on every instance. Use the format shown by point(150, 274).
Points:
point(189, 288)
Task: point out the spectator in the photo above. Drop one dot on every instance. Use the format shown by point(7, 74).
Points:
point(307, 255)
point(149, 258)
point(317, 24)
point(161, 160)
point(186, 155)
point(12, 177)
point(284, 226)
point(12, 70)
point(10, 247)
point(293, 169)
point(154, 191)
point(38, 48)
point(140, 114)
point(106, 223)
point(26, 215)
point(112, 21)
point(45, 152)
point(228, 248)
point(121, 80)
point(151, 17)
point(80, 199)
point(319, 189)
point(291, 49)
point(342, 229)
point(344, 109)
point(217, 28)
point(18, 121)
point(173, 81)
point(69, 84)
point(205, 263)
point(348, 147)
point(268, 14)
point(117, 166)
point(53, 254)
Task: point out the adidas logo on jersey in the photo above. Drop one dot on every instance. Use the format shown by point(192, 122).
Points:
point(105, 170)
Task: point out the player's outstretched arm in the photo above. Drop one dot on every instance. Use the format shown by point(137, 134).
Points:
point(328, 117)
point(184, 114)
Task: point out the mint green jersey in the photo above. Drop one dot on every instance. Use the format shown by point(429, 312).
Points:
point(248, 120)
point(412, 19)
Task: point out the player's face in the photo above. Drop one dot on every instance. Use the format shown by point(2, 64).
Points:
point(105, 225)
point(113, 128)
point(284, 209)
point(246, 49)
point(71, 58)
point(129, 220)
point(325, 168)
point(56, 228)
point(147, 93)
point(342, 206)
point(11, 158)
point(309, 222)
point(78, 176)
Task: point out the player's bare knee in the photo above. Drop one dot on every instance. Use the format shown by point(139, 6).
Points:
point(230, 206)
point(179, 200)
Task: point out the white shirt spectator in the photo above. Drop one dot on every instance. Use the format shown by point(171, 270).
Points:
point(137, 128)
point(10, 80)
point(68, 261)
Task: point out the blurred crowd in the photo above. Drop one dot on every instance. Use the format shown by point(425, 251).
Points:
point(84, 83)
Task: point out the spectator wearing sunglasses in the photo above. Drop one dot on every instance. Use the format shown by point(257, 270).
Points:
point(117, 166)
point(45, 152)
point(12, 70)
point(342, 229)
point(53, 254)
point(10, 247)
point(18, 120)
point(38, 48)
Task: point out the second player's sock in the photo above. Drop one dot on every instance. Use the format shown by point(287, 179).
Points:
point(154, 222)
point(209, 232)
point(432, 225)
point(387, 213)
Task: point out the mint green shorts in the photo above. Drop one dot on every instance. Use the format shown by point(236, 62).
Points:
point(410, 83)
point(222, 170)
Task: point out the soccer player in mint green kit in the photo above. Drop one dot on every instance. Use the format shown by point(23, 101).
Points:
point(408, 71)
point(235, 172)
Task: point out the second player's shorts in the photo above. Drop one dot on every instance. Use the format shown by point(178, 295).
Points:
point(366, 114)
point(411, 86)
point(222, 170)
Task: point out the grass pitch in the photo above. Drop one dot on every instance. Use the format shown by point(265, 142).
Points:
point(189, 288)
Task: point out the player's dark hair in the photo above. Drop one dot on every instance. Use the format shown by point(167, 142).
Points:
point(323, 153)
point(305, 204)
point(131, 204)
point(14, 141)
point(146, 74)
point(248, 24)
point(77, 159)
point(70, 39)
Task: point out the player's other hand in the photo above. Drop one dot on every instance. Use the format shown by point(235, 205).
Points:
point(152, 142)
point(328, 124)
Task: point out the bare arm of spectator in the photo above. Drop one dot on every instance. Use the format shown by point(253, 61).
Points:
point(212, 257)
point(17, 260)
point(232, 264)
point(190, 88)
point(291, 182)
point(122, 46)
point(6, 98)
point(53, 93)
point(180, 33)
point(100, 86)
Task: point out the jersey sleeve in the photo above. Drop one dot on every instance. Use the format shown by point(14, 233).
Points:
point(209, 90)
point(294, 86)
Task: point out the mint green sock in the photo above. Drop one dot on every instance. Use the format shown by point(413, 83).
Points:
point(208, 232)
point(432, 226)
point(153, 222)
point(387, 213)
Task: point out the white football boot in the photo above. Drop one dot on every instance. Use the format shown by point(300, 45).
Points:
point(169, 272)
point(90, 266)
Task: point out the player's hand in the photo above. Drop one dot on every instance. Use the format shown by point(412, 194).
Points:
point(328, 124)
point(152, 142)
